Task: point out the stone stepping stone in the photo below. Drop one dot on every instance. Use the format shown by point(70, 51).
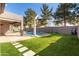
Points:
point(19, 45)
point(29, 53)
point(22, 49)
point(15, 43)
point(37, 55)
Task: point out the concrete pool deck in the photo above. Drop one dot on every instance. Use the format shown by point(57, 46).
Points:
point(13, 38)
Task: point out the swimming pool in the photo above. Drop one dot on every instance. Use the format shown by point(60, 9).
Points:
point(37, 33)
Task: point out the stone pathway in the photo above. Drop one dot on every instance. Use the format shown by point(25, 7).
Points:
point(24, 50)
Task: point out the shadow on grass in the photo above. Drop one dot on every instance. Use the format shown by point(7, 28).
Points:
point(51, 35)
point(65, 46)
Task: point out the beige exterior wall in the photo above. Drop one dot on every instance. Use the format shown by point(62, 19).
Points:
point(4, 27)
point(7, 28)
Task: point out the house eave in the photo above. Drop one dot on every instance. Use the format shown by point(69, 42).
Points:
point(9, 19)
point(8, 16)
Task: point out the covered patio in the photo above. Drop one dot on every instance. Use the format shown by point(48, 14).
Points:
point(11, 24)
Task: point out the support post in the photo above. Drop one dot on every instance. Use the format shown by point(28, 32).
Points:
point(21, 27)
point(35, 26)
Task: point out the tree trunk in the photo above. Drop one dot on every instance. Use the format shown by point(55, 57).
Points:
point(65, 29)
point(64, 23)
point(64, 17)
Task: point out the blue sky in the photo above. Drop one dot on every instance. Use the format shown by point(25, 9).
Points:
point(19, 8)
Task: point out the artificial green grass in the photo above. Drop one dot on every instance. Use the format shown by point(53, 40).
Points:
point(54, 45)
point(7, 49)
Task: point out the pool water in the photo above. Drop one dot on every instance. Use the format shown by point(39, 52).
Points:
point(38, 33)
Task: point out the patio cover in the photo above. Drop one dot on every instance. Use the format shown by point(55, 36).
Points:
point(8, 16)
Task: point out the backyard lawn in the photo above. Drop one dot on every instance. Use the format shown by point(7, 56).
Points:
point(7, 49)
point(53, 45)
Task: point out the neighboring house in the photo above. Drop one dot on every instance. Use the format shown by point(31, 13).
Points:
point(10, 22)
point(51, 23)
point(2, 5)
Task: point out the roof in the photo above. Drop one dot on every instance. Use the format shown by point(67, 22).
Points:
point(8, 16)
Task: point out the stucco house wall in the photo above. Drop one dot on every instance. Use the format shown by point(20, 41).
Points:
point(4, 26)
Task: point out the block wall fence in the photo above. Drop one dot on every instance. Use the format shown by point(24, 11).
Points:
point(60, 30)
